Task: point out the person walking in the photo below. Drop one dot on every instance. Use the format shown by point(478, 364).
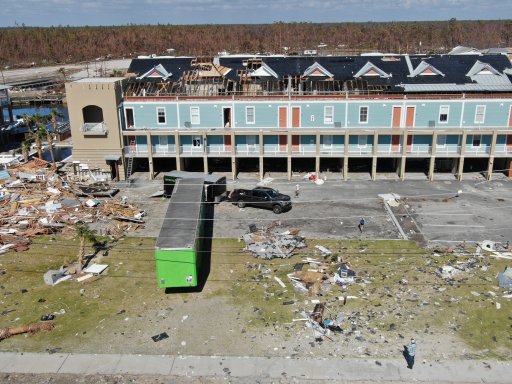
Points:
point(409, 353)
point(361, 224)
point(297, 189)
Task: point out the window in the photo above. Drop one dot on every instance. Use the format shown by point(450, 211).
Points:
point(480, 114)
point(443, 113)
point(194, 115)
point(161, 115)
point(250, 115)
point(327, 141)
point(362, 141)
point(477, 140)
point(163, 141)
point(328, 115)
point(197, 142)
point(130, 121)
point(441, 140)
point(363, 115)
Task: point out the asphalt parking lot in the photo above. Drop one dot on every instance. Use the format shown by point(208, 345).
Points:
point(481, 210)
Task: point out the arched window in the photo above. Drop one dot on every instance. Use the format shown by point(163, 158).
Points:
point(92, 114)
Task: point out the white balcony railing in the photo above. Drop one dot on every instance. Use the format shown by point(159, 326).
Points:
point(218, 149)
point(332, 150)
point(355, 149)
point(94, 128)
point(169, 149)
point(247, 149)
point(304, 150)
point(389, 149)
point(481, 150)
point(502, 149)
point(447, 149)
point(275, 149)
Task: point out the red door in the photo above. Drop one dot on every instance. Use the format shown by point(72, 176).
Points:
point(409, 117)
point(283, 123)
point(395, 123)
point(510, 117)
point(295, 124)
point(227, 142)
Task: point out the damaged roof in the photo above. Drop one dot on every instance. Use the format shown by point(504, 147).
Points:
point(409, 73)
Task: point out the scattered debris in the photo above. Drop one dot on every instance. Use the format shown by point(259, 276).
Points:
point(30, 328)
point(35, 200)
point(268, 244)
point(160, 336)
point(505, 278)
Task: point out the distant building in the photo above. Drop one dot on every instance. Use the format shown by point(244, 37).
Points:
point(374, 114)
point(5, 121)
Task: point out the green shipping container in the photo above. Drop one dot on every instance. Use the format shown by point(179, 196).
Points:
point(179, 244)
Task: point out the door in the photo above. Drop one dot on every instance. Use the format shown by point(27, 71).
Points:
point(510, 117)
point(409, 123)
point(251, 143)
point(226, 117)
point(259, 198)
point(395, 123)
point(227, 142)
point(295, 125)
point(283, 123)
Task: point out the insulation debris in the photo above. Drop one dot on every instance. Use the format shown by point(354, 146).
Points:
point(268, 244)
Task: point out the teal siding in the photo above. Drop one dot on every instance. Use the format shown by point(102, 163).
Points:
point(312, 114)
point(241, 139)
point(307, 140)
point(215, 140)
point(485, 139)
point(353, 139)
point(384, 140)
point(145, 115)
point(141, 143)
point(496, 114)
point(422, 140)
point(378, 115)
point(155, 140)
point(336, 139)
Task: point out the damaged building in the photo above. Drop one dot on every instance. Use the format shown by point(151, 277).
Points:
point(373, 114)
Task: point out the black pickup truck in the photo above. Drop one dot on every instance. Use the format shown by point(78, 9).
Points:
point(261, 197)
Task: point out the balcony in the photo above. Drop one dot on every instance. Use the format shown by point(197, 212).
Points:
point(357, 150)
point(389, 150)
point(94, 129)
point(502, 149)
point(164, 150)
point(192, 151)
point(482, 150)
point(334, 150)
point(218, 150)
point(306, 150)
point(275, 150)
point(418, 150)
point(248, 150)
point(447, 149)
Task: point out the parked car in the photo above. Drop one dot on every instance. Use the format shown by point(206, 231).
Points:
point(261, 197)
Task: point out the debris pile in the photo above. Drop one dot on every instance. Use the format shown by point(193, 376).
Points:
point(35, 199)
point(266, 243)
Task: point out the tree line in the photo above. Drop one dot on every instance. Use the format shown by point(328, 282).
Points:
point(21, 46)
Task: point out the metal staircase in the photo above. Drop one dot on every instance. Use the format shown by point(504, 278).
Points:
point(129, 160)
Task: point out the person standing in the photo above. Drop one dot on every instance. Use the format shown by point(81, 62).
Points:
point(361, 224)
point(297, 189)
point(410, 352)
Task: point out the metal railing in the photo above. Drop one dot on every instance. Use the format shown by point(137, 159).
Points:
point(447, 149)
point(355, 149)
point(481, 150)
point(169, 149)
point(247, 149)
point(94, 128)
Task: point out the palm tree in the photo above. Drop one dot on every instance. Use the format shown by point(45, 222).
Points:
point(53, 118)
point(84, 233)
point(25, 149)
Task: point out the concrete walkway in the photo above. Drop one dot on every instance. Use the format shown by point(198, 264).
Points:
point(346, 370)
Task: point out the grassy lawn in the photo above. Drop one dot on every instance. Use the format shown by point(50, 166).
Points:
point(397, 288)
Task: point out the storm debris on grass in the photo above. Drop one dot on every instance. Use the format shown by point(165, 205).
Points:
point(267, 243)
point(36, 199)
